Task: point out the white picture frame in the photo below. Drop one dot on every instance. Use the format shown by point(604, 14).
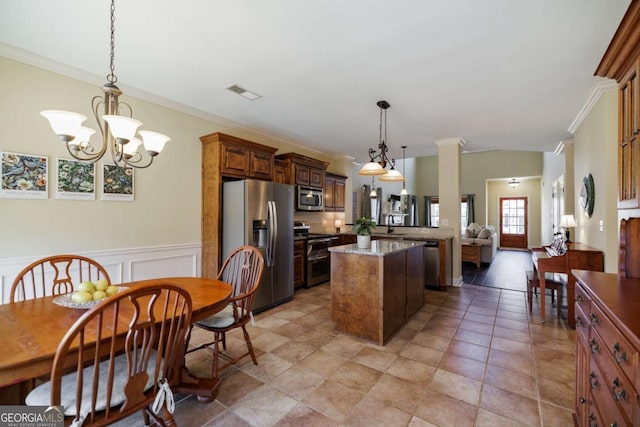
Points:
point(24, 176)
point(117, 183)
point(75, 180)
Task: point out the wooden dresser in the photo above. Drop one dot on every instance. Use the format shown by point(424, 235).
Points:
point(607, 311)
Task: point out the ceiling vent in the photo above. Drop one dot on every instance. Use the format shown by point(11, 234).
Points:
point(251, 96)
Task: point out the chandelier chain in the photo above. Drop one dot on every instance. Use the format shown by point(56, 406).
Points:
point(111, 77)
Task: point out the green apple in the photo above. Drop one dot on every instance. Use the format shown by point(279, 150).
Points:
point(98, 295)
point(111, 290)
point(86, 287)
point(81, 297)
point(101, 284)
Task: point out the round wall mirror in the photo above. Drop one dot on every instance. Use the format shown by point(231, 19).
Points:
point(587, 195)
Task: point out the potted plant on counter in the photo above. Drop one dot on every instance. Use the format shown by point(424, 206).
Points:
point(363, 231)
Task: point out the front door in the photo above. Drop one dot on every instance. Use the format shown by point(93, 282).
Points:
point(513, 222)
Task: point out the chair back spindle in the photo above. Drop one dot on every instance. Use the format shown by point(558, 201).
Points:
point(55, 275)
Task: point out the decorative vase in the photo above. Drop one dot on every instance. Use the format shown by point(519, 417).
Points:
point(364, 242)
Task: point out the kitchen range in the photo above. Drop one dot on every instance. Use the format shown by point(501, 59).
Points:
point(318, 258)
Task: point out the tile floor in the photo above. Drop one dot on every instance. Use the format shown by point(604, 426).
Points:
point(471, 357)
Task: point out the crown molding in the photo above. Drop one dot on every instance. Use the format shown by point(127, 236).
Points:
point(600, 89)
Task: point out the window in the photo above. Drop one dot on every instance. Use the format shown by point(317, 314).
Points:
point(434, 212)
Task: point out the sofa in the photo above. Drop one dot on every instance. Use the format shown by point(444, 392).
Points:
point(484, 236)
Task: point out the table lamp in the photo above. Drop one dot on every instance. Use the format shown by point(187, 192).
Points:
point(338, 224)
point(567, 222)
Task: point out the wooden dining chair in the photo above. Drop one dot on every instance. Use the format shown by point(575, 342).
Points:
point(243, 270)
point(55, 275)
point(122, 354)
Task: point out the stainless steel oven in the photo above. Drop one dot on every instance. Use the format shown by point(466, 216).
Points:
point(319, 259)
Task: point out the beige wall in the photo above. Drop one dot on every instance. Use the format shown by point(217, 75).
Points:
point(529, 188)
point(167, 206)
point(477, 169)
point(595, 152)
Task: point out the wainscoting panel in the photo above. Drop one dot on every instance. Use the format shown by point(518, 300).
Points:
point(123, 265)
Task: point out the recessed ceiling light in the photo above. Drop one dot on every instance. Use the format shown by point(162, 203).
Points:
point(252, 96)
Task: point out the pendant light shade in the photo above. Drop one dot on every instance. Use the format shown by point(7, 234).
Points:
point(372, 169)
point(392, 175)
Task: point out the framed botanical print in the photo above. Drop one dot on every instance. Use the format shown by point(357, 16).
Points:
point(24, 176)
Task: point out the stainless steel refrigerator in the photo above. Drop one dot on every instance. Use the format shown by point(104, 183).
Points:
point(260, 214)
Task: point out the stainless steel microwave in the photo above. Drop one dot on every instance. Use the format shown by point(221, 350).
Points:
point(309, 199)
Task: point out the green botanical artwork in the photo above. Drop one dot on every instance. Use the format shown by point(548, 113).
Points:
point(24, 176)
point(76, 180)
point(117, 183)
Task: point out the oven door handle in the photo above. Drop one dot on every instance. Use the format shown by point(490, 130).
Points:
point(317, 257)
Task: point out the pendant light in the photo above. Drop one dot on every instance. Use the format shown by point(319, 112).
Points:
point(373, 194)
point(404, 191)
point(378, 160)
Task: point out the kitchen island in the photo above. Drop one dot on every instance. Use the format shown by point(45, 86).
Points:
point(375, 291)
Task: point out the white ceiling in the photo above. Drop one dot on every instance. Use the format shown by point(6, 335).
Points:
point(501, 74)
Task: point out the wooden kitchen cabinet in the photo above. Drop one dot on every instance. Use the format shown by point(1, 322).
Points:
point(299, 263)
point(225, 157)
point(303, 170)
point(280, 171)
point(245, 159)
point(621, 62)
point(334, 193)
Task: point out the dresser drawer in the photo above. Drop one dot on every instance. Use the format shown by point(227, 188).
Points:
point(604, 401)
point(582, 300)
point(582, 322)
point(619, 386)
point(617, 345)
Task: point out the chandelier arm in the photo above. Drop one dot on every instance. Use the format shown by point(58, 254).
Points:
point(135, 163)
point(128, 107)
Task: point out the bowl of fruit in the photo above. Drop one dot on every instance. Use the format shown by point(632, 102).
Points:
point(88, 294)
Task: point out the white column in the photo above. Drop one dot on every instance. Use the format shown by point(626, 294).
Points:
point(449, 195)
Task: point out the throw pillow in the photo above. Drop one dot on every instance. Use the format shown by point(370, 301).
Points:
point(485, 233)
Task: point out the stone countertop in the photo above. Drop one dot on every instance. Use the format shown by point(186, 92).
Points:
point(378, 247)
point(410, 234)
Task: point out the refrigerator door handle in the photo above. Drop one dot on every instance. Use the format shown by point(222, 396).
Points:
point(274, 231)
point(269, 235)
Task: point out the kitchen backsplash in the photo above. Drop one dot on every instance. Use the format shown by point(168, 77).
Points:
point(322, 222)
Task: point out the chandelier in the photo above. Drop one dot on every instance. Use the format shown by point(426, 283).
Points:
point(118, 131)
point(378, 160)
point(514, 183)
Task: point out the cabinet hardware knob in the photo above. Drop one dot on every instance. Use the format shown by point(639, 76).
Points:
point(593, 344)
point(579, 299)
point(619, 355)
point(583, 400)
point(594, 319)
point(592, 420)
point(593, 380)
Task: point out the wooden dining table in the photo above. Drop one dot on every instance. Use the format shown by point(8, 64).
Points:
point(31, 330)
